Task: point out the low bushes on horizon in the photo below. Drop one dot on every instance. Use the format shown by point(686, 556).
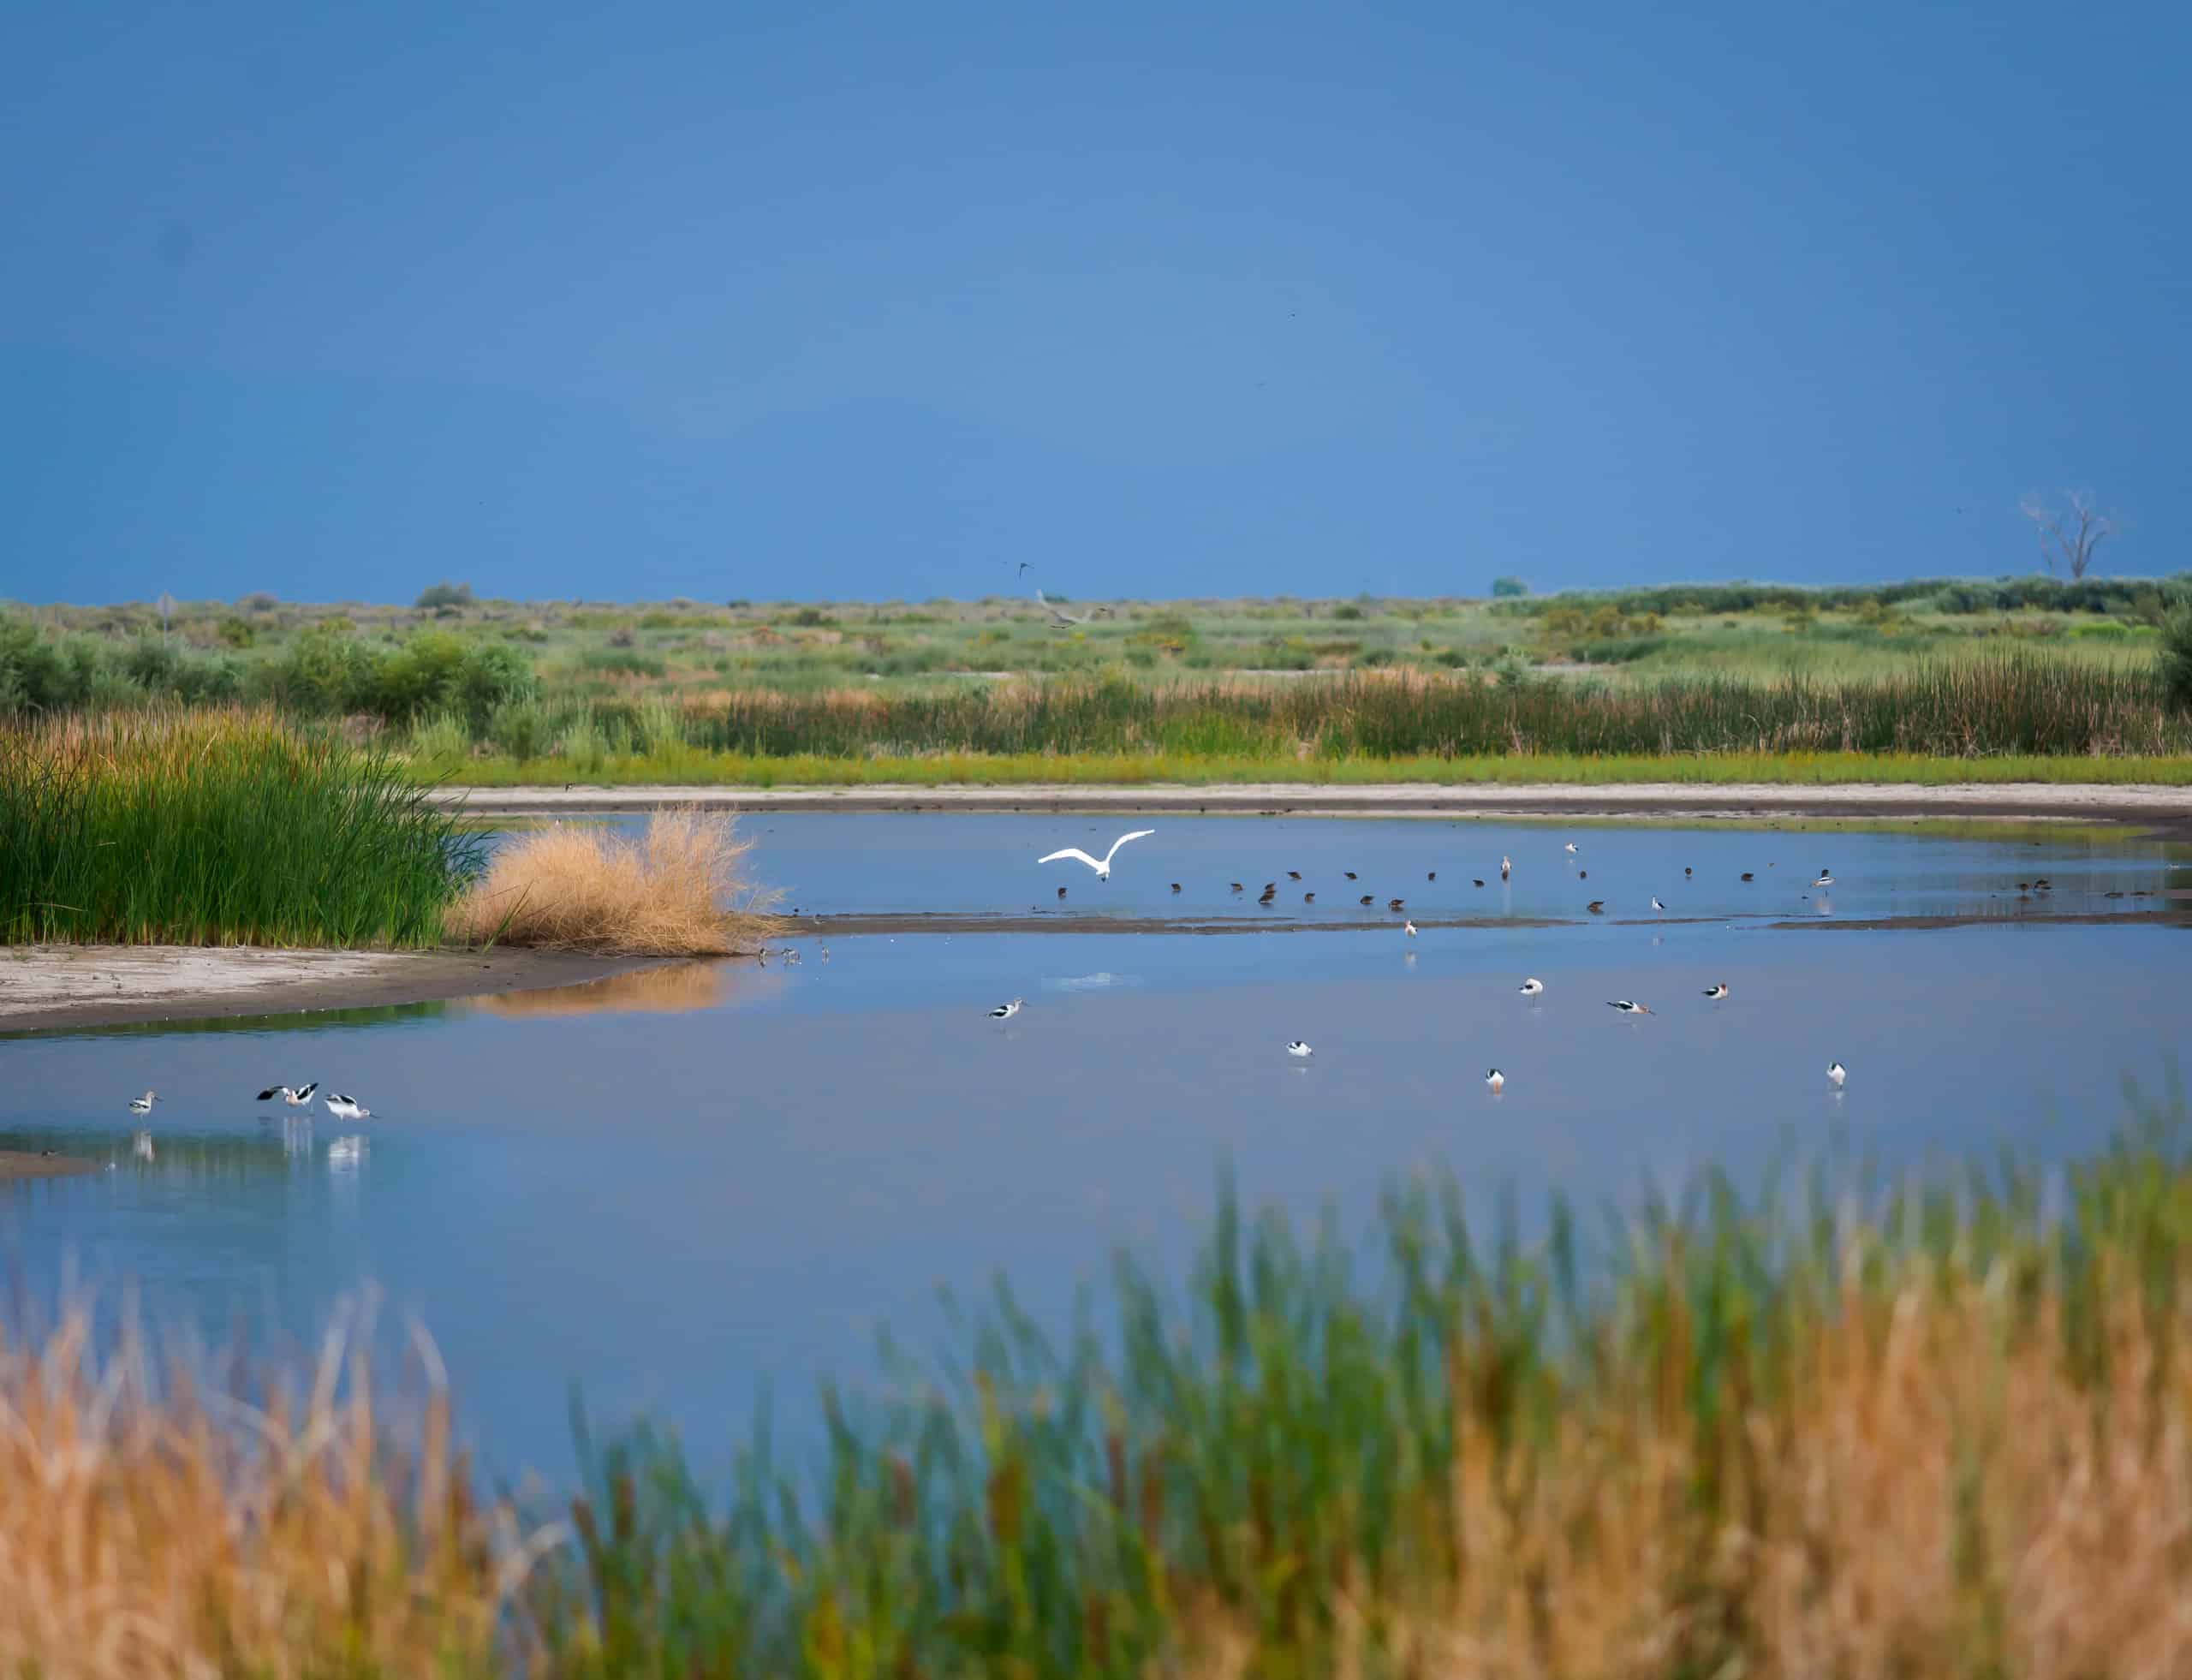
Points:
point(1939, 1430)
point(221, 827)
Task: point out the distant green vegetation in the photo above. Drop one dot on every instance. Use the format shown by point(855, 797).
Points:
point(150, 827)
point(1951, 668)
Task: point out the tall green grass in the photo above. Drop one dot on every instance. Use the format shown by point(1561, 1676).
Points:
point(2015, 704)
point(216, 828)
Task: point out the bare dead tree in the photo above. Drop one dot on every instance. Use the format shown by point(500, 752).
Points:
point(2068, 541)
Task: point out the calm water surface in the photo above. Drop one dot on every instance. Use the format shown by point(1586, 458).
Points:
point(675, 1186)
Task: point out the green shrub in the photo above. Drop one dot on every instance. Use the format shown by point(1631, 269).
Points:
point(2176, 665)
point(435, 596)
point(1509, 588)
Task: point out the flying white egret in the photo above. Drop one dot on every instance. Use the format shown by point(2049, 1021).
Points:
point(1103, 867)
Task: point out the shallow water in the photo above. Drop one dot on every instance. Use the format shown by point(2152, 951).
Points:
point(672, 1186)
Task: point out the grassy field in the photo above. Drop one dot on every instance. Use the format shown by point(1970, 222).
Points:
point(156, 827)
point(490, 690)
point(1940, 1428)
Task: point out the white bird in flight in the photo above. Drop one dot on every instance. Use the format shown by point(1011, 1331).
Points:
point(1495, 1080)
point(1531, 987)
point(1006, 1011)
point(1836, 1072)
point(1299, 1047)
point(1102, 868)
point(143, 1105)
point(347, 1108)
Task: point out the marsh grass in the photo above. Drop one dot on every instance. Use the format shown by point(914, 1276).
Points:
point(216, 827)
point(1942, 1427)
point(679, 889)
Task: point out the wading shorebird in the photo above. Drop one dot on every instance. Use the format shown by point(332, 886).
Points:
point(1394, 904)
point(1408, 928)
point(144, 1105)
point(299, 1098)
point(1531, 987)
point(1656, 904)
point(1597, 907)
point(1006, 1011)
point(1569, 849)
point(1716, 992)
point(1504, 865)
point(1626, 1006)
point(1293, 874)
point(1836, 1072)
point(1299, 1047)
point(1103, 866)
point(1825, 879)
point(1494, 1081)
point(347, 1108)
point(1746, 875)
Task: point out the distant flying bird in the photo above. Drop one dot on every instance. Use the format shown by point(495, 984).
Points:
point(1531, 987)
point(1299, 1047)
point(1495, 1080)
point(1719, 991)
point(299, 1098)
point(1626, 1006)
point(143, 1105)
point(347, 1108)
point(1006, 1011)
point(1836, 1072)
point(1023, 569)
point(1103, 867)
point(1408, 928)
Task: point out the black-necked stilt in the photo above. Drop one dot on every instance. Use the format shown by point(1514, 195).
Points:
point(1101, 866)
point(1719, 991)
point(1299, 1047)
point(1495, 1081)
point(1006, 1011)
point(347, 1108)
point(299, 1098)
point(143, 1105)
point(1626, 1006)
point(1836, 1072)
point(1408, 928)
point(1531, 987)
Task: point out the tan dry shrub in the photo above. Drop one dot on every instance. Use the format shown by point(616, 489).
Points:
point(679, 889)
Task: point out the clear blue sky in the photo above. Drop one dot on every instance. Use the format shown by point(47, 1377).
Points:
point(822, 300)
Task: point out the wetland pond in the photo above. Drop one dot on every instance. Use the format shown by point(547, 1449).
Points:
point(676, 1188)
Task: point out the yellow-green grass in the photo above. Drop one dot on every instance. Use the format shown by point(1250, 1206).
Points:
point(161, 827)
point(1940, 1429)
point(691, 769)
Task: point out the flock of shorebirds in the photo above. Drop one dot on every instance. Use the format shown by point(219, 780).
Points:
point(1494, 1081)
point(298, 1099)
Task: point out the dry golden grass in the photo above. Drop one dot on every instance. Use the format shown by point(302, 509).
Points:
point(679, 889)
point(165, 1530)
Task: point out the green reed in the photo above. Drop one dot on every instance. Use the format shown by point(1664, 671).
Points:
point(2018, 703)
point(216, 828)
point(1329, 1458)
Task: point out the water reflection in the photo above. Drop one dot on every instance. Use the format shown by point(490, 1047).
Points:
point(673, 989)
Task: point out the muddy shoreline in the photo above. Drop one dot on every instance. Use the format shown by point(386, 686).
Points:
point(2164, 809)
point(45, 987)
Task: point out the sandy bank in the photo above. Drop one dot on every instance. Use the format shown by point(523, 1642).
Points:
point(109, 986)
point(2159, 806)
point(16, 1163)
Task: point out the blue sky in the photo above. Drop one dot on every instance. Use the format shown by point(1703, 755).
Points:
point(827, 300)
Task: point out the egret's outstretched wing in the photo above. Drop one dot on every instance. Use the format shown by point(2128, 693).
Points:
point(1138, 834)
point(1075, 854)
